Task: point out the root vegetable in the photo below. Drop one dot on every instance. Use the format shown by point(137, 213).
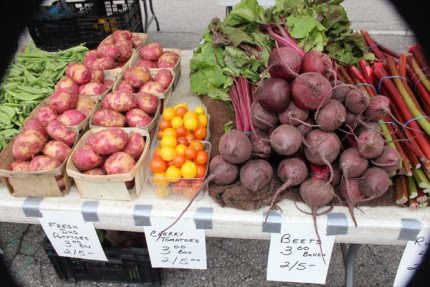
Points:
point(350, 191)
point(107, 84)
point(318, 62)
point(137, 76)
point(370, 144)
point(46, 115)
point(108, 50)
point(71, 118)
point(378, 108)
point(274, 95)
point(305, 129)
point(135, 145)
point(353, 120)
point(374, 183)
point(293, 115)
point(108, 118)
point(60, 132)
point(137, 41)
point(20, 165)
point(168, 60)
point(86, 158)
point(339, 92)
point(256, 174)
point(337, 175)
point(90, 58)
point(97, 75)
point(147, 64)
point(352, 163)
point(85, 105)
point(137, 118)
point(120, 101)
point(28, 144)
point(57, 149)
point(43, 163)
point(147, 102)
point(357, 101)
point(63, 100)
point(284, 63)
point(105, 63)
point(164, 77)
point(286, 139)
point(94, 171)
point(330, 117)
point(91, 89)
point(261, 147)
point(108, 141)
point(263, 119)
point(389, 160)
point(124, 86)
point(366, 126)
point(125, 52)
point(119, 162)
point(78, 73)
point(152, 87)
point(119, 35)
point(235, 147)
point(34, 124)
point(151, 52)
point(66, 82)
point(311, 91)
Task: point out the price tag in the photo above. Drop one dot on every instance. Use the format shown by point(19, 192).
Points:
point(71, 236)
point(182, 246)
point(411, 259)
point(295, 255)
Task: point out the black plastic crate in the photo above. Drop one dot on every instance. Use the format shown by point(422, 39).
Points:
point(126, 265)
point(119, 15)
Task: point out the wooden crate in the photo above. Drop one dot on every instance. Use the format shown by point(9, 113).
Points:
point(176, 69)
point(110, 187)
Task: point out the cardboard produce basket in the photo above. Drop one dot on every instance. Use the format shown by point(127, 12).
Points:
point(111, 187)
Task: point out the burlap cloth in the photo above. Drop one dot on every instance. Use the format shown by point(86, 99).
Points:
point(235, 195)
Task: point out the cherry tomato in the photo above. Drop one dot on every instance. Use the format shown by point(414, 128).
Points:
point(164, 124)
point(178, 160)
point(201, 158)
point(182, 140)
point(197, 145)
point(190, 138)
point(201, 169)
point(181, 131)
point(190, 153)
point(180, 112)
point(158, 165)
point(156, 153)
point(200, 133)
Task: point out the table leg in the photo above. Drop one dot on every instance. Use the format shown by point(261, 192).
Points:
point(145, 11)
point(153, 15)
point(350, 264)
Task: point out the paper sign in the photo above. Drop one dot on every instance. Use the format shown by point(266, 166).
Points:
point(411, 259)
point(295, 255)
point(71, 236)
point(182, 246)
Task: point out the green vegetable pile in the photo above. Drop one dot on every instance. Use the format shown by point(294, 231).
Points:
point(29, 80)
point(239, 46)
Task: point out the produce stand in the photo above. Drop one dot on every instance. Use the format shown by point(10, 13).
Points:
point(376, 225)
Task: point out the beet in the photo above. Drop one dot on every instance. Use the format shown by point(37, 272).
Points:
point(352, 120)
point(235, 147)
point(293, 115)
point(286, 139)
point(340, 91)
point(263, 119)
point(370, 144)
point(261, 147)
point(274, 95)
point(357, 101)
point(352, 163)
point(350, 191)
point(366, 126)
point(311, 91)
point(389, 160)
point(374, 183)
point(284, 63)
point(256, 174)
point(318, 62)
point(305, 129)
point(330, 117)
point(378, 108)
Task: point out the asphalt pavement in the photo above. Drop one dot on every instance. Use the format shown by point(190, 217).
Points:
point(231, 262)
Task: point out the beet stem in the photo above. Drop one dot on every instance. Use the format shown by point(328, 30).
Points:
point(314, 217)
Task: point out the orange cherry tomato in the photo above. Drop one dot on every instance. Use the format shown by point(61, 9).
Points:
point(156, 153)
point(200, 133)
point(178, 160)
point(158, 165)
point(190, 153)
point(182, 140)
point(164, 124)
point(190, 138)
point(201, 169)
point(160, 134)
point(180, 112)
point(170, 163)
point(181, 131)
point(201, 158)
point(197, 145)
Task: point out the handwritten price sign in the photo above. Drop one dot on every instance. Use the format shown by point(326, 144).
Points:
point(295, 255)
point(182, 246)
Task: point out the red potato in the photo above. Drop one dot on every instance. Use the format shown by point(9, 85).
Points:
point(147, 64)
point(151, 52)
point(78, 73)
point(293, 115)
point(90, 58)
point(71, 118)
point(137, 41)
point(60, 132)
point(34, 124)
point(311, 91)
point(137, 118)
point(256, 174)
point(95, 171)
point(125, 52)
point(135, 145)
point(97, 75)
point(63, 100)
point(122, 35)
point(108, 40)
point(137, 76)
point(107, 84)
point(43, 162)
point(57, 149)
point(147, 102)
point(46, 115)
point(108, 50)
point(125, 42)
point(86, 158)
point(20, 165)
point(66, 82)
point(85, 105)
point(120, 101)
point(284, 63)
point(91, 89)
point(152, 87)
point(286, 139)
point(168, 60)
point(124, 86)
point(235, 147)
point(108, 141)
point(164, 77)
point(61, 183)
point(28, 144)
point(108, 118)
point(316, 61)
point(105, 63)
point(119, 162)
